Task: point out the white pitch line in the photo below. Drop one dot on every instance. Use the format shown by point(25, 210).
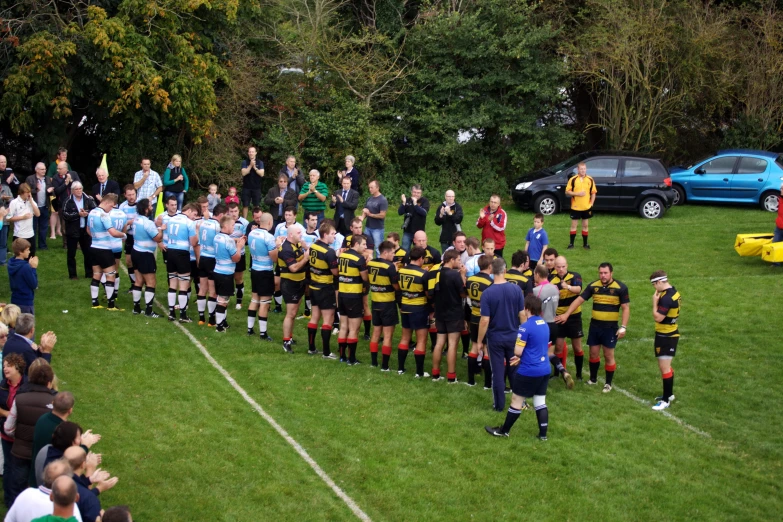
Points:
point(665, 413)
point(361, 515)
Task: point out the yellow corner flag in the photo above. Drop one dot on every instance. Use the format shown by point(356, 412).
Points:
point(104, 166)
point(159, 207)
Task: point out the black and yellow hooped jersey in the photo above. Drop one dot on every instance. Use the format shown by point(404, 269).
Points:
point(414, 290)
point(433, 278)
point(669, 305)
point(475, 286)
point(521, 279)
point(566, 296)
point(350, 265)
point(382, 275)
point(431, 258)
point(290, 254)
point(606, 301)
point(322, 260)
point(399, 258)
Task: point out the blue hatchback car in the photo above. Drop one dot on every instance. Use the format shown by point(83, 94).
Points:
point(731, 176)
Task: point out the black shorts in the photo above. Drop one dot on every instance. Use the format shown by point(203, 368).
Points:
point(117, 255)
point(292, 290)
point(102, 257)
point(553, 327)
point(224, 285)
point(416, 320)
point(572, 328)
point(178, 262)
point(468, 312)
point(447, 327)
point(324, 298)
point(277, 270)
point(665, 347)
point(602, 336)
point(250, 196)
point(262, 283)
point(129, 244)
point(581, 214)
point(144, 262)
point(194, 273)
point(350, 307)
point(385, 314)
point(529, 386)
point(474, 332)
point(206, 267)
point(241, 264)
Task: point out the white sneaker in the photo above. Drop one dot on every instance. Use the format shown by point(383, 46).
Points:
point(607, 388)
point(335, 331)
point(660, 405)
point(420, 376)
point(238, 306)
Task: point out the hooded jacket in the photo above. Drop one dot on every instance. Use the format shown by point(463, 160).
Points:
point(23, 280)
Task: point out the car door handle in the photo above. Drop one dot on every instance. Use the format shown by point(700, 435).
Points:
point(760, 180)
point(612, 183)
point(726, 179)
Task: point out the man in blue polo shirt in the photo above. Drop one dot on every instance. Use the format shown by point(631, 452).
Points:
point(502, 310)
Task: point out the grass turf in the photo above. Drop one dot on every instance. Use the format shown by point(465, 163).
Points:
point(186, 446)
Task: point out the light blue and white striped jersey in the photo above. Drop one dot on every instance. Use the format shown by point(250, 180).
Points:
point(100, 223)
point(143, 239)
point(118, 221)
point(225, 247)
point(261, 242)
point(130, 211)
point(338, 242)
point(308, 239)
point(164, 220)
point(240, 227)
point(282, 229)
point(207, 231)
point(471, 267)
point(180, 229)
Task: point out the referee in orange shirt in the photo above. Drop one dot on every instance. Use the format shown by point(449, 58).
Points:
point(581, 189)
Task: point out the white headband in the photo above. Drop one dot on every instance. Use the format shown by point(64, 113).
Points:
point(657, 279)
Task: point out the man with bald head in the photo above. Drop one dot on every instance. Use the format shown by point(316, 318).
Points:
point(313, 195)
point(104, 185)
point(64, 496)
point(41, 188)
point(570, 285)
point(263, 252)
point(34, 503)
point(89, 502)
point(449, 218)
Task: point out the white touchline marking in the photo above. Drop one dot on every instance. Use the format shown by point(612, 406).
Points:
point(361, 515)
point(665, 413)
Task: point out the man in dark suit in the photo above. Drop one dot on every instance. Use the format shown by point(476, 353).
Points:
point(104, 186)
point(40, 190)
point(74, 212)
point(61, 182)
point(344, 203)
point(279, 198)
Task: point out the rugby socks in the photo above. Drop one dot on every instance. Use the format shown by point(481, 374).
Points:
point(240, 293)
point(367, 324)
point(610, 373)
point(465, 336)
point(579, 360)
point(351, 346)
point(183, 300)
point(472, 367)
point(402, 354)
point(220, 312)
point(419, 355)
point(668, 384)
point(136, 292)
point(385, 355)
point(595, 364)
point(326, 338)
point(132, 275)
point(433, 337)
point(201, 305)
point(542, 414)
point(312, 330)
point(95, 287)
point(556, 363)
point(172, 301)
point(109, 291)
point(149, 296)
point(341, 344)
point(487, 369)
point(262, 325)
point(572, 236)
point(374, 354)
point(584, 238)
point(511, 417)
point(251, 320)
point(278, 301)
point(211, 307)
point(452, 377)
point(117, 284)
point(564, 354)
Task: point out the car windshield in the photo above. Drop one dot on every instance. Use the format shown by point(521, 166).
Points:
point(556, 169)
point(702, 160)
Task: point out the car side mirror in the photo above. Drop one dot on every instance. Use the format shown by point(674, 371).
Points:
point(700, 170)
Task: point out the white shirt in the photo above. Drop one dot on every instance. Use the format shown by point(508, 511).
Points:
point(20, 207)
point(34, 503)
point(149, 187)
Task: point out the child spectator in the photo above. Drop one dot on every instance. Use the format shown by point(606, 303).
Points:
point(213, 198)
point(22, 276)
point(536, 241)
point(232, 196)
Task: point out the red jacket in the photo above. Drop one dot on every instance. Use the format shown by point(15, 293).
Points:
point(494, 226)
point(779, 220)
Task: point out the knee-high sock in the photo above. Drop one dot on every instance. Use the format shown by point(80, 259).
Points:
point(579, 361)
point(465, 337)
point(251, 319)
point(95, 287)
point(511, 417)
point(610, 368)
point(542, 414)
point(419, 355)
point(279, 298)
point(668, 384)
point(172, 295)
point(402, 354)
point(595, 365)
point(326, 338)
point(472, 363)
point(385, 355)
point(240, 292)
point(312, 329)
point(136, 291)
point(183, 301)
point(262, 324)
point(211, 305)
point(555, 361)
point(221, 314)
point(374, 354)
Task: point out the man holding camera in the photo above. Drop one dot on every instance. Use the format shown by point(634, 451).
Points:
point(415, 211)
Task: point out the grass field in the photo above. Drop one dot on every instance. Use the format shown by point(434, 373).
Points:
point(187, 446)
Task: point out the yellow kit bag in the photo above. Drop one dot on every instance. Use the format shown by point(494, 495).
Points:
point(772, 252)
point(750, 244)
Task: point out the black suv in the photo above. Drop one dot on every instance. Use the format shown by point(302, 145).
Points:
point(625, 181)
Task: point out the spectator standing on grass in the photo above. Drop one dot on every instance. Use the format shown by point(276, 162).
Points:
point(75, 210)
point(62, 157)
point(23, 276)
point(6, 195)
point(293, 174)
point(147, 183)
point(449, 218)
point(252, 173)
point(351, 172)
point(8, 176)
point(536, 241)
point(176, 181)
point(104, 185)
point(374, 212)
point(36, 502)
point(21, 341)
point(502, 310)
point(414, 211)
point(778, 236)
point(62, 409)
point(344, 203)
point(64, 496)
point(581, 189)
point(40, 188)
point(21, 212)
point(8, 316)
point(313, 195)
point(280, 197)
point(492, 221)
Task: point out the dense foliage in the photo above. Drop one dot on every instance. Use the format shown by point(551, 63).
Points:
point(460, 93)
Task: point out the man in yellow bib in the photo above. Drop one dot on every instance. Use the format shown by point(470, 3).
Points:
point(581, 189)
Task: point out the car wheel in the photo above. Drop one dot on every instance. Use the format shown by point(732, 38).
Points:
point(546, 204)
point(679, 195)
point(769, 201)
point(651, 208)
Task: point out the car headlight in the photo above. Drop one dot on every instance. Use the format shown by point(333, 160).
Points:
point(523, 186)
